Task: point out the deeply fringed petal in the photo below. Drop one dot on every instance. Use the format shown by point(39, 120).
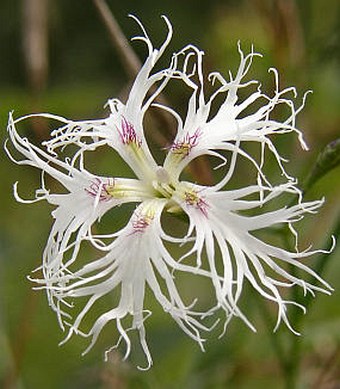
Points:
point(85, 200)
point(123, 129)
point(204, 132)
point(222, 226)
point(225, 236)
point(135, 259)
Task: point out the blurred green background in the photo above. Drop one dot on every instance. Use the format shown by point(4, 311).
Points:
point(72, 70)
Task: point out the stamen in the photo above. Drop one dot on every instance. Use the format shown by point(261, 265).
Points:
point(192, 198)
point(128, 133)
point(101, 190)
point(142, 221)
point(184, 147)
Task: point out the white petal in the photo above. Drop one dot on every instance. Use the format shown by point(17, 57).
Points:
point(221, 229)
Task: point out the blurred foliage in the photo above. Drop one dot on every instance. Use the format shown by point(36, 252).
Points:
point(303, 42)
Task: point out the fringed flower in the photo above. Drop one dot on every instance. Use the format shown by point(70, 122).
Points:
point(222, 242)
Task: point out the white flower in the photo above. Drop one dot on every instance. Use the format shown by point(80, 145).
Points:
point(220, 242)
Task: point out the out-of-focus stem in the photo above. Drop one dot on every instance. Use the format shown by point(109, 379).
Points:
point(35, 42)
point(128, 57)
point(131, 64)
point(282, 20)
point(35, 51)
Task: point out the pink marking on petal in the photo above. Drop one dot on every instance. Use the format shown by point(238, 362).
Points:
point(141, 223)
point(185, 146)
point(99, 188)
point(192, 198)
point(128, 134)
